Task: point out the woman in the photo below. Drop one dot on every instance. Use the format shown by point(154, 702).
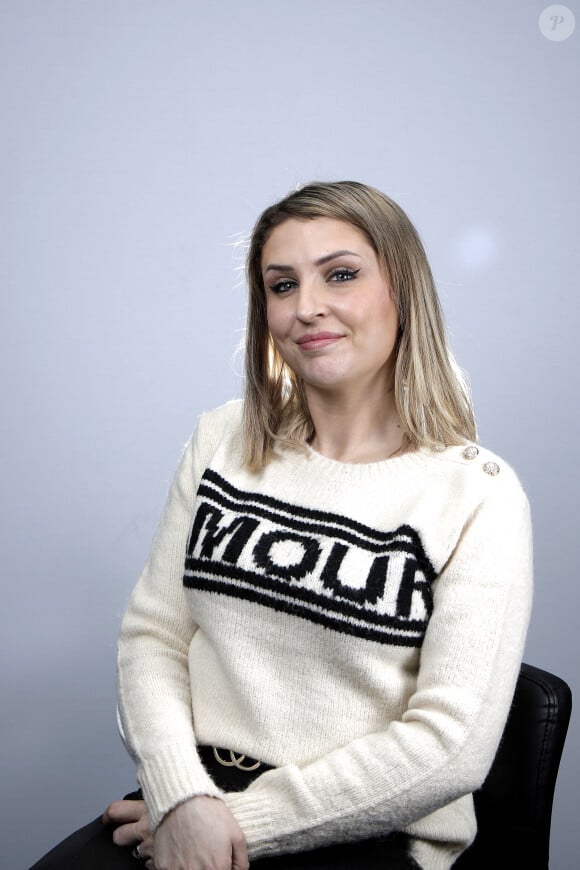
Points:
point(340, 585)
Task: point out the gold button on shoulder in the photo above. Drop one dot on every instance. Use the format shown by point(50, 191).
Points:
point(470, 452)
point(491, 468)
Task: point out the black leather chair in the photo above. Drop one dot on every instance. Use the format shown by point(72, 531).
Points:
point(514, 805)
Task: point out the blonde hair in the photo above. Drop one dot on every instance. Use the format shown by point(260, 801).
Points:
point(431, 397)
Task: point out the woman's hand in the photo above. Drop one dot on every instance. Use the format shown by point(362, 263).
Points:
point(133, 827)
point(200, 834)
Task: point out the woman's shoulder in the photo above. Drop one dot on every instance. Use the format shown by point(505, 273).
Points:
point(221, 424)
point(227, 415)
point(481, 469)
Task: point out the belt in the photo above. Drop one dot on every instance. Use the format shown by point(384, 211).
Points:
point(231, 771)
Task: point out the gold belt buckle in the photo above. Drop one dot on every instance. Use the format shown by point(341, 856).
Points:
point(235, 760)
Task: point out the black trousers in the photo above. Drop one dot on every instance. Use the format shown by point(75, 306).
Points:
point(92, 847)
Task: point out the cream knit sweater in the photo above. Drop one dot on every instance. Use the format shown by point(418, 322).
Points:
point(358, 626)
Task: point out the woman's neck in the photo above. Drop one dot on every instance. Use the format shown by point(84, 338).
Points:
point(356, 428)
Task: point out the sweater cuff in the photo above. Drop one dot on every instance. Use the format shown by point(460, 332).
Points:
point(172, 777)
point(252, 813)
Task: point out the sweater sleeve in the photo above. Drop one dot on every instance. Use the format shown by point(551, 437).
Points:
point(154, 699)
point(443, 746)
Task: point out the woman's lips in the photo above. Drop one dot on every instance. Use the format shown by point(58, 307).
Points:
point(317, 340)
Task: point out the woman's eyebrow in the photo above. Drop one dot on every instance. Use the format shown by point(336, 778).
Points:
point(277, 267)
point(332, 256)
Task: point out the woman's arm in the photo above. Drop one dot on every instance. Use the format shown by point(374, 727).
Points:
point(445, 742)
point(153, 681)
point(192, 827)
point(203, 827)
point(154, 694)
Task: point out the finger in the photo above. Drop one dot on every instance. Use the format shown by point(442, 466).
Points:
point(121, 812)
point(127, 835)
point(134, 832)
point(240, 860)
point(146, 850)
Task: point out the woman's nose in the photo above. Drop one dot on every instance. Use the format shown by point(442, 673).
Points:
point(312, 301)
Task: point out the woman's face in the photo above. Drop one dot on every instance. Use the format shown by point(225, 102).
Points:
point(329, 306)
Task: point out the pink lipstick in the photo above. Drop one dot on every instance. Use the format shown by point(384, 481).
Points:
point(317, 340)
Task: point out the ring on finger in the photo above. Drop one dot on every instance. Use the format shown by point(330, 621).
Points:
point(138, 854)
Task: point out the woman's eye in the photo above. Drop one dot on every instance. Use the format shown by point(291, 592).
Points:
point(282, 286)
point(341, 275)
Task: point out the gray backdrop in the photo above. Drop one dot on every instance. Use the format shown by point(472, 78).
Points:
point(138, 142)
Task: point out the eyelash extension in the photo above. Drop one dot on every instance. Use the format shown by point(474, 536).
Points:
point(279, 286)
point(352, 273)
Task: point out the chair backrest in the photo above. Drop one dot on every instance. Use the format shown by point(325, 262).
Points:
point(514, 805)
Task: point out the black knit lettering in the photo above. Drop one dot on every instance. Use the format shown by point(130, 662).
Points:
point(286, 555)
point(412, 580)
point(329, 569)
point(374, 587)
point(208, 517)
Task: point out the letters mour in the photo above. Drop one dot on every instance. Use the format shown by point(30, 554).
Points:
point(318, 566)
